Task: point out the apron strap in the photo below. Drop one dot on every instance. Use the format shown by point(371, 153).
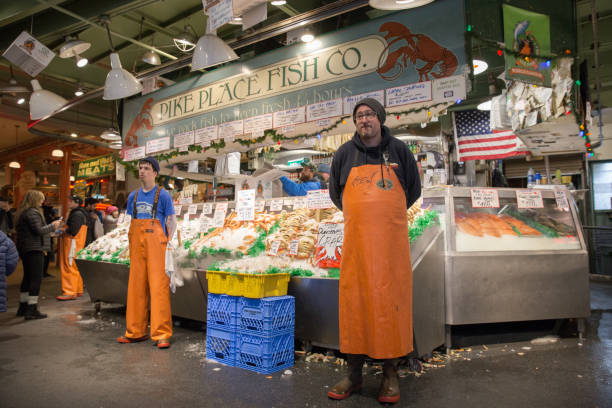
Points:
point(154, 212)
point(135, 211)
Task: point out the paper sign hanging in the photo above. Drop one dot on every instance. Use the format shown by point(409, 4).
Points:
point(561, 199)
point(529, 199)
point(328, 251)
point(29, 54)
point(245, 205)
point(276, 205)
point(484, 198)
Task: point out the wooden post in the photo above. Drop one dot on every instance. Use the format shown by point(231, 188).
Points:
point(64, 183)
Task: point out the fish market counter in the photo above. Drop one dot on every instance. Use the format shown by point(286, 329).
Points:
point(316, 320)
point(511, 255)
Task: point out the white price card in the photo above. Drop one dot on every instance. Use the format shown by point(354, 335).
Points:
point(219, 216)
point(207, 208)
point(205, 224)
point(186, 218)
point(529, 199)
point(260, 206)
point(276, 205)
point(186, 200)
point(121, 218)
point(177, 209)
point(411, 93)
point(323, 110)
point(255, 125)
point(274, 248)
point(245, 205)
point(134, 154)
point(288, 202)
point(318, 199)
point(484, 198)
point(206, 135)
point(192, 209)
point(300, 203)
point(351, 101)
point(229, 130)
point(184, 138)
point(158, 145)
point(294, 244)
point(289, 117)
point(561, 199)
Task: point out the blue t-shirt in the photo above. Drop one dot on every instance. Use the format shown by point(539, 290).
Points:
point(144, 205)
point(299, 189)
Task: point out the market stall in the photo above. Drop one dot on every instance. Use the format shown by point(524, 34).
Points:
point(511, 255)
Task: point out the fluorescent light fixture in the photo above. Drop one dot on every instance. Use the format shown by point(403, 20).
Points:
point(43, 102)
point(74, 134)
point(14, 165)
point(278, 2)
point(313, 45)
point(119, 82)
point(479, 66)
point(81, 62)
point(484, 106)
point(111, 134)
point(398, 4)
point(20, 101)
point(57, 153)
point(236, 21)
point(211, 51)
point(72, 48)
point(151, 58)
point(78, 92)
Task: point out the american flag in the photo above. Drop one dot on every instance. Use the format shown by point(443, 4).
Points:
point(476, 141)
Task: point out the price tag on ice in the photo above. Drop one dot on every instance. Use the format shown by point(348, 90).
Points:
point(260, 206)
point(276, 205)
point(288, 202)
point(299, 203)
point(192, 209)
point(529, 199)
point(484, 198)
point(205, 224)
point(220, 212)
point(121, 218)
point(561, 199)
point(177, 209)
point(274, 248)
point(207, 208)
point(293, 246)
point(245, 205)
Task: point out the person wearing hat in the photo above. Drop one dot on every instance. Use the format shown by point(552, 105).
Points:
point(307, 181)
point(322, 175)
point(111, 216)
point(151, 228)
point(72, 241)
point(374, 180)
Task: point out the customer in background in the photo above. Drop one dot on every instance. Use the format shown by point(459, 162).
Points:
point(110, 218)
point(73, 240)
point(306, 183)
point(322, 175)
point(6, 217)
point(8, 262)
point(50, 214)
point(95, 221)
point(33, 240)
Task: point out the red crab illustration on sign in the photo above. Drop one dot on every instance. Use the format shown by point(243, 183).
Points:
point(325, 260)
point(142, 121)
point(439, 61)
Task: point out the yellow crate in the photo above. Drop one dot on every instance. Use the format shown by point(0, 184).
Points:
point(247, 285)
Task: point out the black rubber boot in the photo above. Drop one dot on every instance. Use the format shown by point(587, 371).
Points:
point(389, 389)
point(353, 380)
point(22, 308)
point(32, 313)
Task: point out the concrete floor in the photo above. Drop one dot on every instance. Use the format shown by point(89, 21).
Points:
point(72, 359)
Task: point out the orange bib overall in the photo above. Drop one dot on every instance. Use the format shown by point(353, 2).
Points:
point(72, 283)
point(375, 300)
point(148, 277)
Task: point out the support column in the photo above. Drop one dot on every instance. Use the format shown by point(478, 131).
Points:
point(64, 183)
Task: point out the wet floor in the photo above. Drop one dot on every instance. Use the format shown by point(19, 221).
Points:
point(72, 359)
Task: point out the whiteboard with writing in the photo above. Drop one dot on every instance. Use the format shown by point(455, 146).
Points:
point(289, 117)
point(324, 110)
point(411, 93)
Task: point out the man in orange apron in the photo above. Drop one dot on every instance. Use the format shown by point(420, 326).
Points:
point(73, 240)
point(374, 180)
point(153, 223)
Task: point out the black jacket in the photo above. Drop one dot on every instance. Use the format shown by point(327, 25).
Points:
point(32, 232)
point(355, 153)
point(6, 221)
point(76, 219)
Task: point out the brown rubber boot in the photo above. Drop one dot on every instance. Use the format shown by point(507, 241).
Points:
point(353, 380)
point(389, 389)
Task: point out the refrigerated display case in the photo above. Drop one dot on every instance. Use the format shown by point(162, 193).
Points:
point(511, 255)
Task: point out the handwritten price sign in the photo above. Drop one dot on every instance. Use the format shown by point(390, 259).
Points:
point(529, 199)
point(484, 198)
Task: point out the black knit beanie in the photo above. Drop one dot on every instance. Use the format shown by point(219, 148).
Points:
point(376, 107)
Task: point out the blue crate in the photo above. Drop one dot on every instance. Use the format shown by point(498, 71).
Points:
point(221, 345)
point(221, 311)
point(266, 316)
point(263, 354)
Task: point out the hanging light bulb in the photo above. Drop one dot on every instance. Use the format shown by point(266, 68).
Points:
point(307, 36)
point(15, 164)
point(278, 2)
point(71, 178)
point(20, 101)
point(72, 48)
point(57, 153)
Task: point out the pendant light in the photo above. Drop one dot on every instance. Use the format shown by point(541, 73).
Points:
point(150, 57)
point(43, 102)
point(112, 134)
point(186, 40)
point(119, 83)
point(398, 4)
point(57, 153)
point(13, 86)
point(15, 164)
point(211, 51)
point(72, 48)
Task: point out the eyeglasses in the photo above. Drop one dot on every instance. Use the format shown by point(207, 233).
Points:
point(368, 114)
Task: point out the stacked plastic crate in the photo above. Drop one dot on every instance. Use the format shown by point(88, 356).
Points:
point(255, 334)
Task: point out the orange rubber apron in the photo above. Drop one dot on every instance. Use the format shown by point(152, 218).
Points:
point(148, 277)
point(375, 300)
point(72, 283)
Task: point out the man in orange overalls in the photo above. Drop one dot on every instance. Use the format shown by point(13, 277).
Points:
point(73, 240)
point(374, 180)
point(153, 224)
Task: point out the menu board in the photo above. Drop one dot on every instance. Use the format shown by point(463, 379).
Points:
point(529, 199)
point(184, 139)
point(255, 125)
point(158, 145)
point(276, 205)
point(134, 154)
point(318, 199)
point(351, 101)
point(204, 136)
point(220, 213)
point(484, 198)
point(229, 130)
point(245, 205)
point(323, 110)
point(411, 93)
point(289, 117)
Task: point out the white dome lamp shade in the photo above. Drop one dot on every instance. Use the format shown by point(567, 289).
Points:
point(74, 47)
point(398, 4)
point(57, 153)
point(210, 51)
point(111, 134)
point(14, 165)
point(116, 145)
point(13, 86)
point(43, 102)
point(151, 58)
point(119, 82)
